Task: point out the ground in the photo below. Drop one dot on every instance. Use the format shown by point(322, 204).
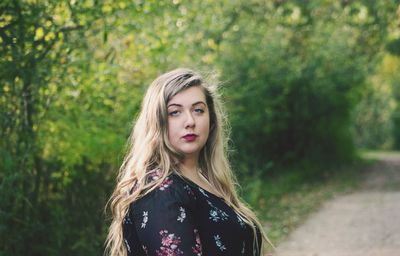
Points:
point(365, 222)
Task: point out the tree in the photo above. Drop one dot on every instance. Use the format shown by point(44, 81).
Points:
point(37, 39)
point(298, 76)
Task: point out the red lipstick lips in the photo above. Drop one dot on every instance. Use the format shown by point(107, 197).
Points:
point(190, 137)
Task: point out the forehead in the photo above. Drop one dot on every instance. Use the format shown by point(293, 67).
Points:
point(188, 96)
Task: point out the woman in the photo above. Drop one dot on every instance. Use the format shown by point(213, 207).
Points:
point(176, 193)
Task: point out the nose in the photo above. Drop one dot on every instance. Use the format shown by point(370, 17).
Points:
point(189, 122)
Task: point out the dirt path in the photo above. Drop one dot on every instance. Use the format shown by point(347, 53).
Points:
point(365, 223)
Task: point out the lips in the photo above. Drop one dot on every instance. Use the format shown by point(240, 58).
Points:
point(190, 137)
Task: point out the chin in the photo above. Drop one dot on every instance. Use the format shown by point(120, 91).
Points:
point(192, 151)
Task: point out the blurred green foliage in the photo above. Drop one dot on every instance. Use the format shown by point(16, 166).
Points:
point(302, 80)
point(373, 115)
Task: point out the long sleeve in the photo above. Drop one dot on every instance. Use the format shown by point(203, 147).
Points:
point(164, 223)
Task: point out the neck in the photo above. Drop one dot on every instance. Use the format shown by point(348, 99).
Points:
point(189, 168)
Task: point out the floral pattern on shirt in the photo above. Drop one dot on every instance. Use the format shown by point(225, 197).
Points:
point(155, 175)
point(170, 244)
point(219, 243)
point(216, 214)
point(145, 249)
point(145, 219)
point(182, 214)
point(165, 184)
point(197, 226)
point(203, 192)
point(189, 191)
point(197, 247)
point(127, 220)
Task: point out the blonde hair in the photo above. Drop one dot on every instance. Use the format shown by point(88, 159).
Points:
point(150, 150)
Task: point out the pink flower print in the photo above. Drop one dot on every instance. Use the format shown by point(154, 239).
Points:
point(154, 175)
point(166, 183)
point(197, 247)
point(145, 249)
point(166, 239)
point(170, 244)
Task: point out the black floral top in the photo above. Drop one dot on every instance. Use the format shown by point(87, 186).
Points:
point(181, 218)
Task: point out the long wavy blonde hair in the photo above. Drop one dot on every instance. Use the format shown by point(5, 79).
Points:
point(149, 149)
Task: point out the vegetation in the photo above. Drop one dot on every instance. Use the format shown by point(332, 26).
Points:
point(305, 84)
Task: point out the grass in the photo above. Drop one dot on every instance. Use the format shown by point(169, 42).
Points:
point(283, 203)
point(369, 154)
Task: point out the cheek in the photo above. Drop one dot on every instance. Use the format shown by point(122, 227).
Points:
point(172, 130)
point(169, 130)
point(206, 126)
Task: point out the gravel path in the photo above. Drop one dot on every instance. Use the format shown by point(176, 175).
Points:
point(364, 223)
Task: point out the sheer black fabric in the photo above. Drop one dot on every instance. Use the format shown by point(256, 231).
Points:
point(181, 218)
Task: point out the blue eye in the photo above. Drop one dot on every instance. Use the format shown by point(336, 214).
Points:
point(199, 110)
point(173, 113)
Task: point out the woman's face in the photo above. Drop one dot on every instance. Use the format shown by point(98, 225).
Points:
point(188, 121)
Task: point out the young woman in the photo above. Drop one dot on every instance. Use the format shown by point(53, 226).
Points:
point(176, 193)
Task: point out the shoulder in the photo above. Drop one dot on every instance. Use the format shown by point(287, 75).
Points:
point(170, 190)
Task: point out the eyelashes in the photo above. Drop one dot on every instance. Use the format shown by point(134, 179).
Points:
point(173, 113)
point(177, 112)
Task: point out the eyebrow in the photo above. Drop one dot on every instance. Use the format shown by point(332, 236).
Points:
point(179, 105)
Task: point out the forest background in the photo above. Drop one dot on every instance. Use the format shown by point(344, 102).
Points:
point(306, 85)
